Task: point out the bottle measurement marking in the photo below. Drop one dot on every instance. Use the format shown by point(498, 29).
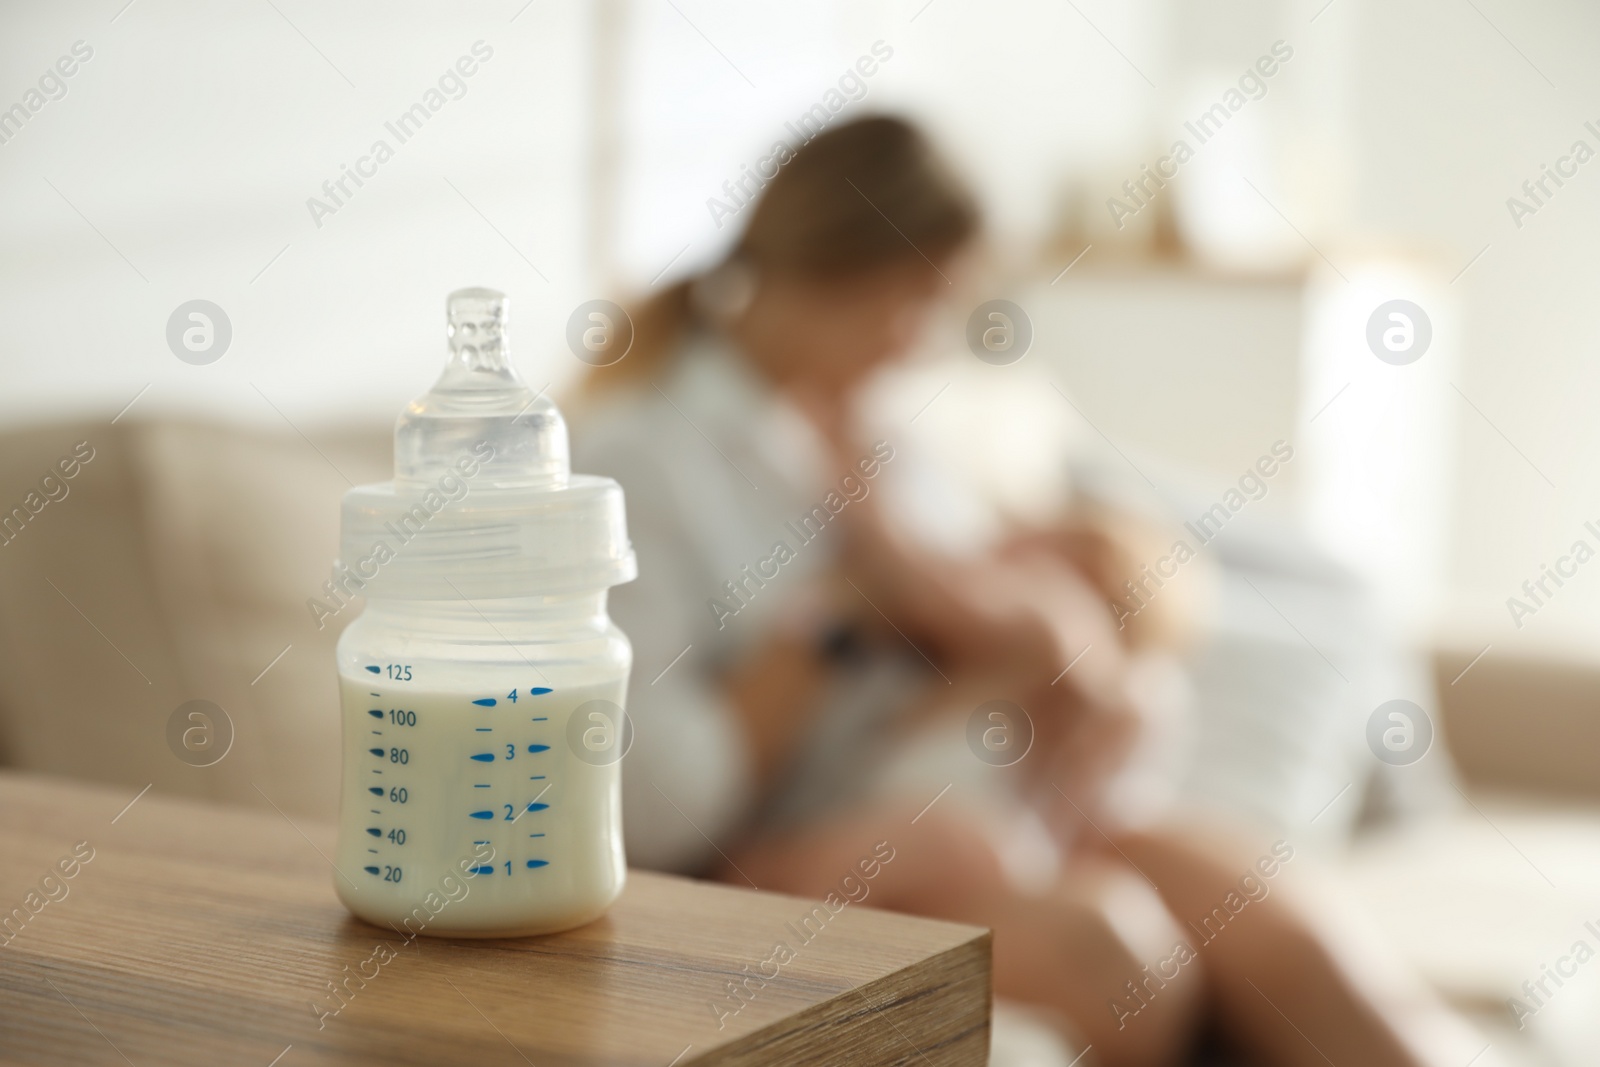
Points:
point(532, 805)
point(499, 812)
point(533, 691)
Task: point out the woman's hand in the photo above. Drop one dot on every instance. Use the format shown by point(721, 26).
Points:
point(773, 689)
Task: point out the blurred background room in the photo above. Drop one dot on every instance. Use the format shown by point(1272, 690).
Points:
point(1348, 169)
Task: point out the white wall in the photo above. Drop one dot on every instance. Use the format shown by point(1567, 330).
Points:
point(192, 140)
point(1450, 120)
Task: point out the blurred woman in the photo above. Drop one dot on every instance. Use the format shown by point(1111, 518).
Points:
point(801, 663)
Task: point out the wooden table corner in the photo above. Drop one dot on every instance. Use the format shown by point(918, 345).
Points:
point(189, 933)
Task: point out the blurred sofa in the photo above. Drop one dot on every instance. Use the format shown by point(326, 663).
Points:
point(176, 567)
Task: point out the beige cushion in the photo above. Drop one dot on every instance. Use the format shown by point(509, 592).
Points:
point(190, 551)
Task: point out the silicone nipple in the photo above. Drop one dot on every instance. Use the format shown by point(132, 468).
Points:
point(481, 400)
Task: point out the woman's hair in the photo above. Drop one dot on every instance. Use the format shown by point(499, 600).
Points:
point(864, 195)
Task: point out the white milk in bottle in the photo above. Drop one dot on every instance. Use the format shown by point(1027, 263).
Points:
point(482, 686)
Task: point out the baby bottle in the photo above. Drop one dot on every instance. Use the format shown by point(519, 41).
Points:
point(482, 686)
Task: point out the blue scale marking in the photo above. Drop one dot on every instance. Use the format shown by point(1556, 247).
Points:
point(485, 729)
point(483, 757)
point(541, 718)
point(538, 748)
point(539, 690)
point(482, 815)
point(480, 870)
point(375, 713)
point(375, 790)
point(375, 670)
point(374, 831)
point(538, 863)
point(476, 786)
point(372, 870)
point(486, 702)
point(376, 751)
point(536, 806)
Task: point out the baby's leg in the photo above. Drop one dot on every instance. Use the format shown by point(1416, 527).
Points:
point(1085, 949)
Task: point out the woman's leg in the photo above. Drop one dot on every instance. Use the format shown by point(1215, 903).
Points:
point(1091, 949)
point(1294, 979)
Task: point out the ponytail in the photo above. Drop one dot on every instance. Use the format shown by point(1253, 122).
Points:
point(660, 324)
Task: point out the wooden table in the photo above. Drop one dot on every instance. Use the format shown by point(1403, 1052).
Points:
point(199, 934)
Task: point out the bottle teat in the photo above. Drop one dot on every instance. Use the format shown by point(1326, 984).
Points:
point(481, 398)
